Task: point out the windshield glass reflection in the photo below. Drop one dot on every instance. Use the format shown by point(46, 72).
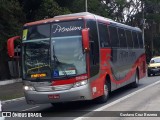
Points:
point(69, 59)
point(37, 56)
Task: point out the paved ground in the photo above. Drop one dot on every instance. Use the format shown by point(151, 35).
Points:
point(145, 103)
point(124, 99)
point(11, 81)
point(11, 91)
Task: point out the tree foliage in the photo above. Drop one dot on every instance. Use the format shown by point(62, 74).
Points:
point(152, 26)
point(11, 20)
point(49, 9)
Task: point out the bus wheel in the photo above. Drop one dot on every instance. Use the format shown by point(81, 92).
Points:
point(136, 82)
point(104, 98)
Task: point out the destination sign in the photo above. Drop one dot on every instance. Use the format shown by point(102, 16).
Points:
point(58, 28)
point(68, 28)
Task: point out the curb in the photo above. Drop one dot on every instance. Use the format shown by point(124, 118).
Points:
point(6, 82)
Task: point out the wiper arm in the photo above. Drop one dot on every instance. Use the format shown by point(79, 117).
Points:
point(38, 68)
point(55, 59)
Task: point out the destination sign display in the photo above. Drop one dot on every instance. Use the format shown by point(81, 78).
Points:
point(68, 28)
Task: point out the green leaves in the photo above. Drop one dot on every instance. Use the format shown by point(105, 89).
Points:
point(11, 19)
point(49, 9)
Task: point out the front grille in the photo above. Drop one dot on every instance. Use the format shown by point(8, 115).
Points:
point(54, 88)
point(62, 87)
point(44, 89)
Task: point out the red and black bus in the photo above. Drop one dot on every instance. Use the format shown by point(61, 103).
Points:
point(79, 56)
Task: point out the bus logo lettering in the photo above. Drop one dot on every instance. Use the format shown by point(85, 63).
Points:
point(58, 28)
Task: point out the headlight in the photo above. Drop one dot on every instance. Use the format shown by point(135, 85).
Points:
point(28, 88)
point(80, 83)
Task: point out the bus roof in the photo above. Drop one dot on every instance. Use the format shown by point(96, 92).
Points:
point(63, 17)
point(84, 15)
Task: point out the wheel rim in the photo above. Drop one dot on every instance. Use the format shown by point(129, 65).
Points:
point(137, 81)
point(105, 90)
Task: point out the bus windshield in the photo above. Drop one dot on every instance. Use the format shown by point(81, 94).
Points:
point(53, 50)
point(68, 57)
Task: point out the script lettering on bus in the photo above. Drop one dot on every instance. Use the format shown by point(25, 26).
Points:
point(58, 28)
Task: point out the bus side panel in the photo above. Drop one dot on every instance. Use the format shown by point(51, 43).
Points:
point(97, 81)
point(105, 66)
point(125, 67)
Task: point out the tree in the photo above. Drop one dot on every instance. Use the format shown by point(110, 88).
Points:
point(94, 6)
point(49, 9)
point(30, 8)
point(123, 11)
point(11, 19)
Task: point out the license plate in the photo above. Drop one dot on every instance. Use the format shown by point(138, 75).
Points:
point(53, 96)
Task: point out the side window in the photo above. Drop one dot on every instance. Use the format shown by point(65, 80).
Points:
point(113, 36)
point(135, 39)
point(129, 38)
point(140, 39)
point(104, 36)
point(94, 47)
point(122, 38)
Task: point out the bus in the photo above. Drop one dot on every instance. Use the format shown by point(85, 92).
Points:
point(80, 56)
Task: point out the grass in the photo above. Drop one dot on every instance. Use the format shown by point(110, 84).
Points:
point(9, 97)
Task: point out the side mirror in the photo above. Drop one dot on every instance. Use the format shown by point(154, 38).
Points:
point(85, 39)
point(10, 45)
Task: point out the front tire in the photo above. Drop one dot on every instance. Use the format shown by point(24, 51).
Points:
point(104, 98)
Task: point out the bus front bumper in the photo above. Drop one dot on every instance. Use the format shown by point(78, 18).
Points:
point(73, 94)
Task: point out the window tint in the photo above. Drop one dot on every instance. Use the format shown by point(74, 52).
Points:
point(94, 40)
point(104, 36)
point(94, 47)
point(122, 37)
point(129, 39)
point(135, 39)
point(140, 39)
point(114, 36)
point(38, 32)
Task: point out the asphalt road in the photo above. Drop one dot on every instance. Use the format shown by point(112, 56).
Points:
point(144, 98)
